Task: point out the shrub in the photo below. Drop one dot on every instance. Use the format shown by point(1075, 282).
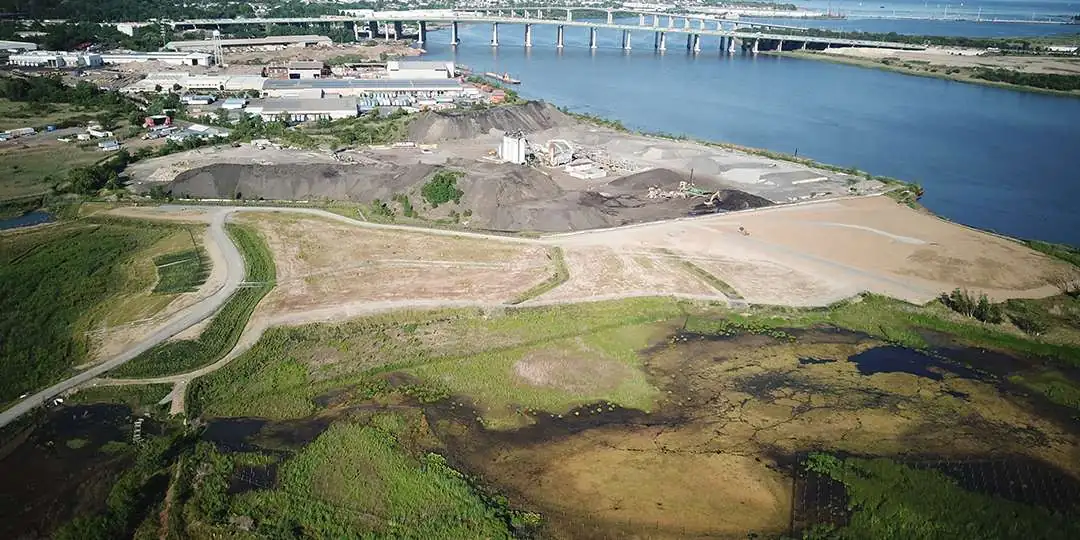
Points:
point(442, 188)
point(962, 302)
point(1027, 317)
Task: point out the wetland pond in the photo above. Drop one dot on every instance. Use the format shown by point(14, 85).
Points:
point(719, 454)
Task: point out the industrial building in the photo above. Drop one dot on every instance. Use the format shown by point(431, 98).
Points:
point(306, 69)
point(419, 69)
point(177, 80)
point(319, 88)
point(263, 43)
point(55, 59)
point(17, 46)
point(304, 110)
point(174, 58)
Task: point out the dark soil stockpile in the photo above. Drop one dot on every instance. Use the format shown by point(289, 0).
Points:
point(530, 117)
point(297, 182)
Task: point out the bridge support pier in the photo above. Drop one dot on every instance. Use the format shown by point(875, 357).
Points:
point(373, 29)
point(569, 15)
point(399, 30)
point(686, 22)
point(689, 41)
point(610, 17)
point(454, 34)
point(559, 37)
point(663, 41)
point(421, 35)
point(494, 34)
point(626, 40)
point(528, 35)
point(641, 19)
point(655, 20)
point(592, 38)
point(701, 24)
point(671, 21)
point(696, 43)
point(803, 46)
point(754, 48)
point(780, 46)
point(731, 45)
point(356, 31)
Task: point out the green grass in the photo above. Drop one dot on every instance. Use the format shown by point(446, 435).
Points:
point(49, 280)
point(282, 373)
point(1053, 384)
point(39, 115)
point(490, 378)
point(138, 397)
point(76, 444)
point(219, 337)
point(561, 274)
point(1064, 252)
point(893, 501)
point(181, 271)
point(355, 481)
point(31, 170)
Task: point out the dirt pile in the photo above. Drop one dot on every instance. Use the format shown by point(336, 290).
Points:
point(297, 182)
point(442, 126)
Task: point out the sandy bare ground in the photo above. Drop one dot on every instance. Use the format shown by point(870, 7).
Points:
point(165, 169)
point(966, 58)
point(321, 263)
point(824, 252)
point(601, 271)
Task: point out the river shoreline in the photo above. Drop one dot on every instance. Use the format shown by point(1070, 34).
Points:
point(943, 74)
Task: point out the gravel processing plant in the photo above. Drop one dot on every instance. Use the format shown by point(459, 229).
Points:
point(574, 175)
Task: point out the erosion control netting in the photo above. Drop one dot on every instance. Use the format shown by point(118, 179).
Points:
point(820, 499)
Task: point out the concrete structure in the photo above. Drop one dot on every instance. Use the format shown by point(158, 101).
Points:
point(234, 104)
point(173, 58)
point(55, 59)
point(419, 69)
point(263, 43)
point(199, 131)
point(513, 148)
point(304, 110)
point(198, 100)
point(411, 88)
point(768, 34)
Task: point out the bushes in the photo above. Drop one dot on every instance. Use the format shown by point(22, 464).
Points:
point(1050, 81)
point(442, 188)
point(962, 302)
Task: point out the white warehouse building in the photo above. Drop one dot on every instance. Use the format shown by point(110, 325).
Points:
point(55, 59)
point(173, 58)
point(304, 110)
point(419, 69)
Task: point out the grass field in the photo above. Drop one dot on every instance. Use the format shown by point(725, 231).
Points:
point(890, 500)
point(224, 329)
point(49, 280)
point(181, 271)
point(38, 115)
point(139, 397)
point(356, 480)
point(281, 375)
point(25, 170)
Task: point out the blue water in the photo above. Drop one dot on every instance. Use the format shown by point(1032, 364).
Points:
point(988, 157)
point(931, 27)
point(36, 217)
point(986, 9)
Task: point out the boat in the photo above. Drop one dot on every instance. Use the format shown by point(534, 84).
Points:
point(505, 77)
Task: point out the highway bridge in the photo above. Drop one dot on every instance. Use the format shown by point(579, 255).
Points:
point(732, 34)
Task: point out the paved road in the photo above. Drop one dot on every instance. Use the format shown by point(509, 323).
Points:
point(193, 315)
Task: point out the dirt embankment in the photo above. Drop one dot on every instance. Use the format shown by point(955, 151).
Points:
point(443, 126)
point(297, 181)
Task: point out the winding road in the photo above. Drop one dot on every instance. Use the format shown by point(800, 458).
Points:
point(187, 318)
point(235, 275)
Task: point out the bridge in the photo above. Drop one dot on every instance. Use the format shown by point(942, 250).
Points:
point(732, 34)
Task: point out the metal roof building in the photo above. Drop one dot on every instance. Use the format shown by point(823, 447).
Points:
point(304, 110)
point(359, 87)
point(263, 42)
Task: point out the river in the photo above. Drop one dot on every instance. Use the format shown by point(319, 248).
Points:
point(988, 157)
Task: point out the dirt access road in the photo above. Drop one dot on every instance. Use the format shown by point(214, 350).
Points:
point(183, 320)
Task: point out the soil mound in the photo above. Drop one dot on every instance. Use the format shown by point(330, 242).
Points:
point(529, 117)
point(297, 182)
